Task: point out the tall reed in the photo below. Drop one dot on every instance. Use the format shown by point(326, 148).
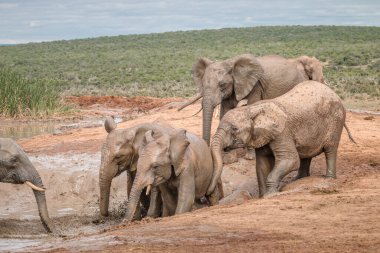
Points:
point(25, 97)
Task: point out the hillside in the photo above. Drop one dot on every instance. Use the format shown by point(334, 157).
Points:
point(160, 64)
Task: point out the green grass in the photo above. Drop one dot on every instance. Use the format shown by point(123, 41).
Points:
point(22, 97)
point(160, 64)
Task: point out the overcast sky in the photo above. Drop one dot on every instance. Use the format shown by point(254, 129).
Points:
point(24, 21)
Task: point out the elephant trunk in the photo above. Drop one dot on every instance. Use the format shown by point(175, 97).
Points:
point(42, 206)
point(216, 152)
point(208, 110)
point(134, 199)
point(105, 181)
point(105, 188)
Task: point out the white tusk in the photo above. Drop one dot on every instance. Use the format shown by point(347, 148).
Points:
point(34, 187)
point(148, 189)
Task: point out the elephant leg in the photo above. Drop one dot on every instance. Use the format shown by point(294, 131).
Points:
point(281, 168)
point(155, 205)
point(304, 170)
point(264, 164)
point(169, 201)
point(330, 154)
point(186, 191)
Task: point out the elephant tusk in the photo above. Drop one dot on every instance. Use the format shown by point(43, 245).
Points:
point(148, 189)
point(191, 101)
point(34, 187)
point(197, 112)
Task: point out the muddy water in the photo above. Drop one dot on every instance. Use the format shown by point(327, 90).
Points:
point(72, 197)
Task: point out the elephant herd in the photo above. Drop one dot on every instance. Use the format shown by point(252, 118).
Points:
point(291, 116)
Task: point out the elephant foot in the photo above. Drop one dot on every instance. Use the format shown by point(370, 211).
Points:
point(330, 176)
point(271, 189)
point(270, 193)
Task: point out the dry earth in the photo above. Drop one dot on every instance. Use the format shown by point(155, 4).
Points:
point(309, 215)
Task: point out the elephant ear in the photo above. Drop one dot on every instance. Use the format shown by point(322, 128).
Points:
point(178, 146)
point(109, 124)
point(199, 69)
point(246, 71)
point(313, 68)
point(150, 136)
point(268, 121)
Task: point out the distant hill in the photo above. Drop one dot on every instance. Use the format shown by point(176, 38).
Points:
point(160, 64)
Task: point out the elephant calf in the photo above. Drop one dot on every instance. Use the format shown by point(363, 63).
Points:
point(180, 164)
point(16, 168)
point(120, 153)
point(286, 132)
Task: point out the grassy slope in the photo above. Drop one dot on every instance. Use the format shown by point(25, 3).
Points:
point(160, 64)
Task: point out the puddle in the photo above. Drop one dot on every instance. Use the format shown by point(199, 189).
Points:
point(19, 129)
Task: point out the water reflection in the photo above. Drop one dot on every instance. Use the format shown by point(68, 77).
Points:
point(17, 130)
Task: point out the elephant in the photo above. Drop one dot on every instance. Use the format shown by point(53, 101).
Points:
point(180, 164)
point(16, 168)
point(286, 132)
point(120, 153)
point(247, 77)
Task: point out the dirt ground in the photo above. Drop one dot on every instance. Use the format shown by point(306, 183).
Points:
point(308, 215)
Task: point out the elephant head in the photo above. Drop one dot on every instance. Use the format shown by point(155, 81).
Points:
point(16, 168)
point(161, 157)
point(233, 78)
point(250, 126)
point(117, 155)
point(311, 68)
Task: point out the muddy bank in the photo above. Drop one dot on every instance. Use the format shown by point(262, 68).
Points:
point(309, 215)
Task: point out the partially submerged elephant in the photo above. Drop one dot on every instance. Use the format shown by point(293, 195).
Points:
point(287, 132)
point(248, 77)
point(120, 153)
point(16, 168)
point(180, 164)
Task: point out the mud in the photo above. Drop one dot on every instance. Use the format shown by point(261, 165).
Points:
point(309, 215)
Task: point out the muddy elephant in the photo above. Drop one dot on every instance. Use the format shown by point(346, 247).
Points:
point(286, 132)
point(247, 77)
point(180, 164)
point(16, 168)
point(120, 153)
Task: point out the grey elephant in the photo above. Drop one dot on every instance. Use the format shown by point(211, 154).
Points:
point(247, 77)
point(286, 132)
point(120, 153)
point(310, 67)
point(16, 168)
point(180, 164)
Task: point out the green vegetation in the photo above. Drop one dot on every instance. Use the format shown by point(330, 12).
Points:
point(160, 64)
point(19, 96)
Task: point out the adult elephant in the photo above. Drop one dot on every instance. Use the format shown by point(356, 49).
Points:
point(247, 77)
point(120, 153)
point(16, 168)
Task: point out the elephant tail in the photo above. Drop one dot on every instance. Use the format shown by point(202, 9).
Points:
point(349, 133)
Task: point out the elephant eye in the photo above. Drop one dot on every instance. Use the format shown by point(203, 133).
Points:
point(223, 85)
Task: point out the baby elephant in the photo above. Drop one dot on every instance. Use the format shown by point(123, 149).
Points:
point(286, 132)
point(16, 168)
point(180, 164)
